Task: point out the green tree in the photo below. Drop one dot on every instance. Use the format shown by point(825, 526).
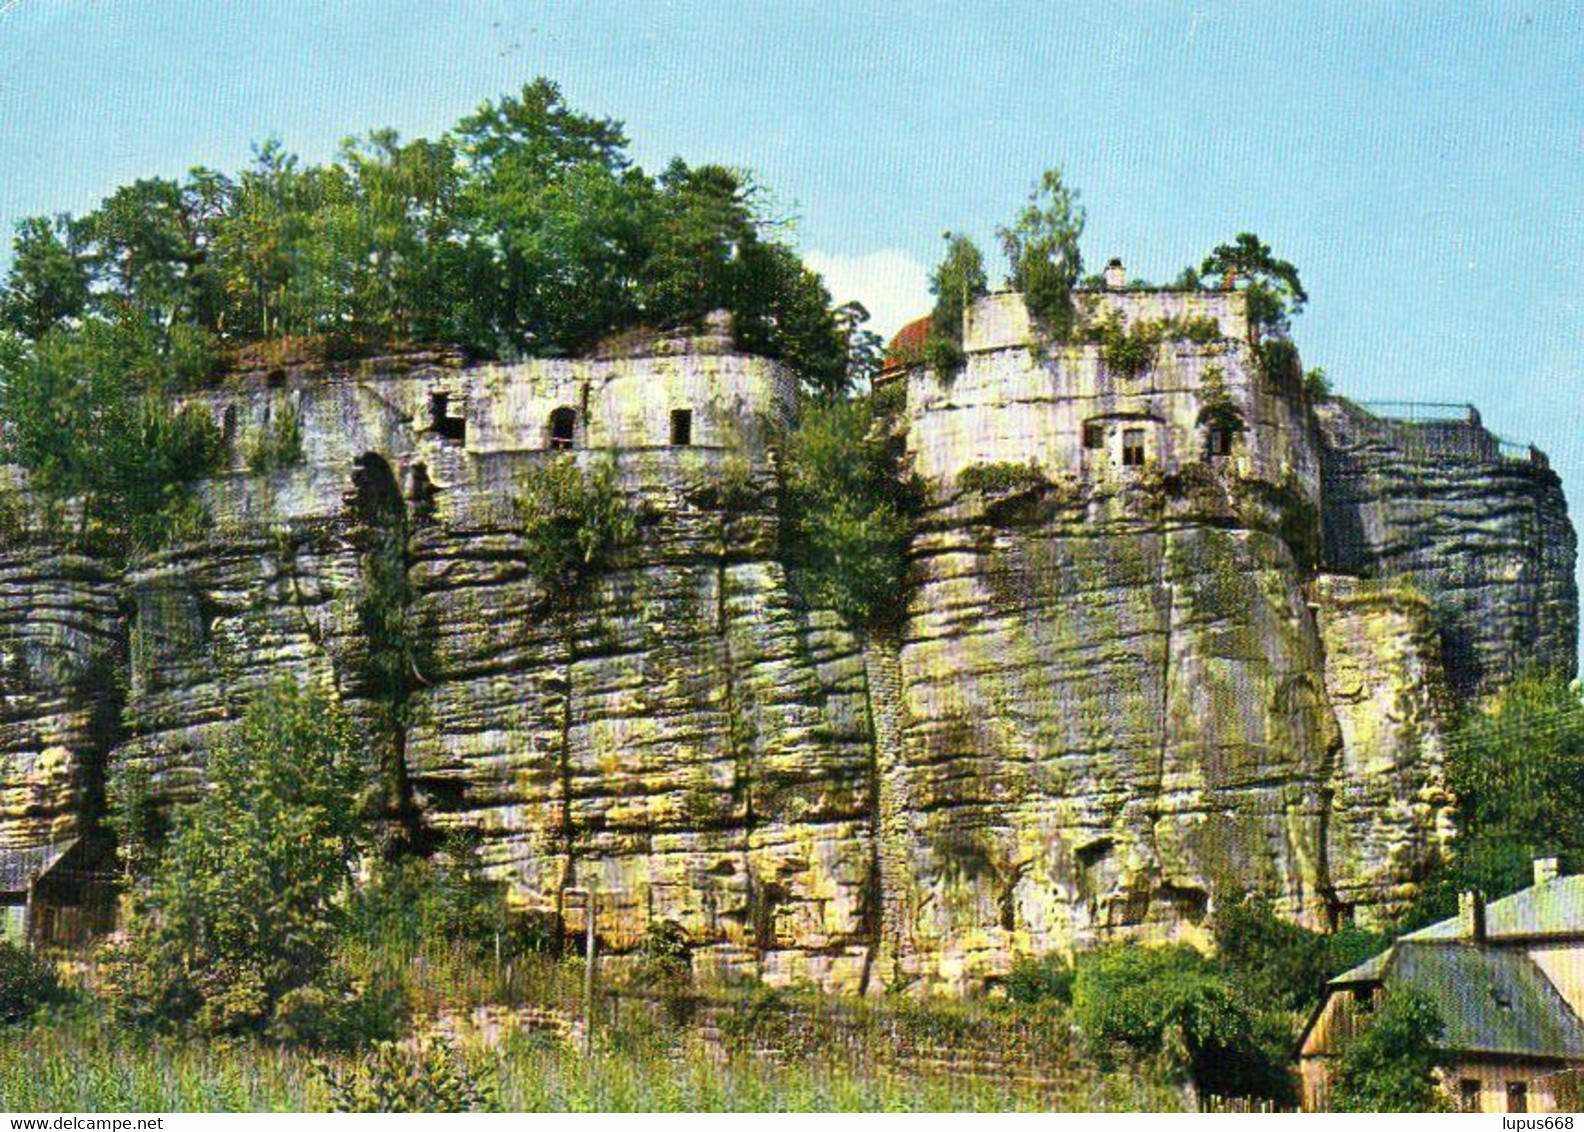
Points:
point(783, 310)
point(244, 905)
point(27, 982)
point(1042, 252)
point(256, 242)
point(865, 348)
point(1280, 964)
point(1271, 285)
point(848, 505)
point(956, 282)
point(1171, 1002)
point(1516, 765)
point(544, 207)
point(89, 421)
point(1390, 1065)
point(48, 284)
point(699, 223)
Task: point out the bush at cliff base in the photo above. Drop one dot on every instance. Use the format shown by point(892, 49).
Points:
point(1390, 1065)
point(26, 982)
point(1172, 1004)
point(244, 905)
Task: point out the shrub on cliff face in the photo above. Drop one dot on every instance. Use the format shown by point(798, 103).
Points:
point(88, 420)
point(848, 505)
point(1005, 476)
point(573, 522)
point(245, 902)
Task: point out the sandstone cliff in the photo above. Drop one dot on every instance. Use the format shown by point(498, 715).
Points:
point(1118, 696)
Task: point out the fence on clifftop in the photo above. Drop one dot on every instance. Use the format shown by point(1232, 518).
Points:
point(1448, 428)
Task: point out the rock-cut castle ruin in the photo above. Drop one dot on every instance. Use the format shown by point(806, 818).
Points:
point(1202, 643)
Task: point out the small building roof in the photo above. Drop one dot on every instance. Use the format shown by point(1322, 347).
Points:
point(21, 867)
point(1369, 971)
point(1493, 1000)
point(1552, 909)
point(906, 347)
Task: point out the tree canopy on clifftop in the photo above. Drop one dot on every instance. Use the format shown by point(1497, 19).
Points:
point(526, 230)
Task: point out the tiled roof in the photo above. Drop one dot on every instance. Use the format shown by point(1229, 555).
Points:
point(1555, 908)
point(1493, 1000)
point(906, 347)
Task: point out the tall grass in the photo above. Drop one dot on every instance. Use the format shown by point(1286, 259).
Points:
point(78, 1060)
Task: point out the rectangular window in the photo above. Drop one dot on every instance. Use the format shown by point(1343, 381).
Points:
point(442, 422)
point(1132, 448)
point(1219, 442)
point(1094, 435)
point(1468, 1095)
point(681, 426)
point(1517, 1096)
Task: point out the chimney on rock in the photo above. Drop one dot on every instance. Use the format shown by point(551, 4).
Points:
point(1545, 868)
point(1471, 916)
point(1115, 275)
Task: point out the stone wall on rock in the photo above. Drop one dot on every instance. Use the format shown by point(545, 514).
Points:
point(1020, 399)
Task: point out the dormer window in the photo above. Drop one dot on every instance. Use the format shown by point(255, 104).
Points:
point(681, 427)
point(563, 428)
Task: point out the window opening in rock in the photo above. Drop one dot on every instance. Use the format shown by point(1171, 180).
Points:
point(681, 426)
point(563, 428)
point(1133, 447)
point(1218, 441)
point(444, 425)
point(1094, 435)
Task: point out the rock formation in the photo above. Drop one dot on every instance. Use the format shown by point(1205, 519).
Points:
point(1163, 668)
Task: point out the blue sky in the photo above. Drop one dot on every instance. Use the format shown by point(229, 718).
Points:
point(1420, 162)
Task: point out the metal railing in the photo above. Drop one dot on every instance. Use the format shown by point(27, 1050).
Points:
point(1423, 412)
